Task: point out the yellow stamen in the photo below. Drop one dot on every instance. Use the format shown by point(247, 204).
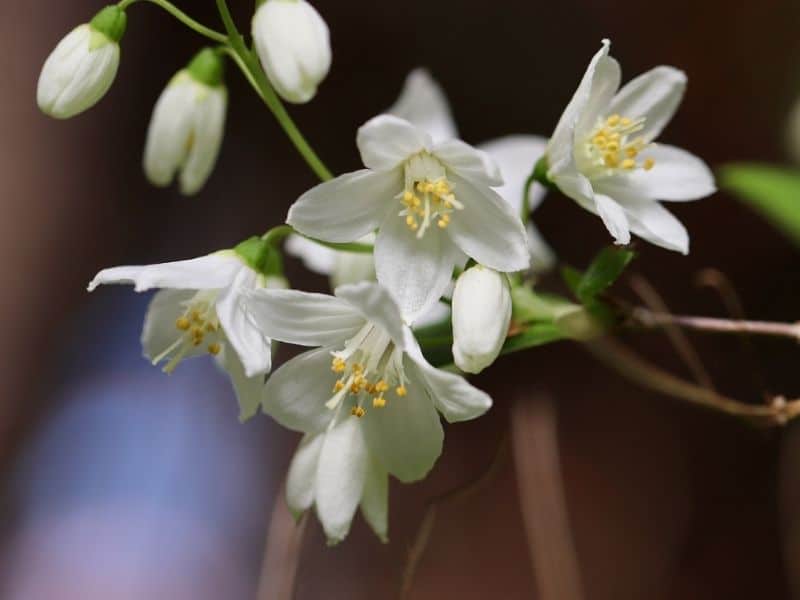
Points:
point(214, 349)
point(358, 411)
point(379, 402)
point(183, 324)
point(401, 390)
point(628, 163)
point(649, 164)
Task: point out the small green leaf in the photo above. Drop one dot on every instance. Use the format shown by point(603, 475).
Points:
point(774, 192)
point(604, 270)
point(535, 335)
point(572, 277)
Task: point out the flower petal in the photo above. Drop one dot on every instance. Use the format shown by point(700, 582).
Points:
point(295, 394)
point(468, 162)
point(375, 499)
point(315, 257)
point(406, 435)
point(301, 479)
point(303, 318)
point(387, 141)
point(159, 332)
point(613, 218)
point(243, 332)
point(605, 83)
point(214, 271)
point(207, 134)
point(516, 155)
point(651, 221)
point(247, 389)
point(375, 305)
point(341, 472)
point(346, 208)
point(414, 271)
point(423, 103)
point(488, 229)
point(654, 95)
point(542, 256)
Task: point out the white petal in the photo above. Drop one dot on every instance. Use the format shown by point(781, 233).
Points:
point(214, 271)
point(375, 499)
point(346, 208)
point(376, 306)
point(559, 149)
point(295, 394)
point(605, 83)
point(301, 479)
point(340, 477)
point(651, 221)
point(488, 229)
point(352, 267)
point(386, 141)
point(468, 162)
point(208, 129)
point(542, 256)
point(654, 95)
point(248, 389)
point(243, 332)
point(424, 104)
point(613, 218)
point(159, 331)
point(677, 175)
point(577, 187)
point(438, 313)
point(516, 155)
point(303, 318)
point(414, 271)
point(455, 398)
point(315, 257)
point(406, 435)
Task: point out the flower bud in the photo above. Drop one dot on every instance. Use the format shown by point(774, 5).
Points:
point(187, 125)
point(481, 315)
point(293, 44)
point(81, 69)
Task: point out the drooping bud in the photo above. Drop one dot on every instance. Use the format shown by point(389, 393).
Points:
point(481, 316)
point(82, 67)
point(293, 44)
point(188, 125)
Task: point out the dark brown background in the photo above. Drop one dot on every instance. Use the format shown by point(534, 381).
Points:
point(666, 501)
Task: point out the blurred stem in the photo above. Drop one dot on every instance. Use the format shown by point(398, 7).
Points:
point(526, 201)
point(249, 64)
point(183, 18)
point(277, 234)
point(649, 319)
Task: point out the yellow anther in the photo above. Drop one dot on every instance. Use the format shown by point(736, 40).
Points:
point(649, 164)
point(610, 160)
point(338, 365)
point(196, 315)
point(631, 152)
point(614, 137)
point(381, 386)
point(401, 390)
point(357, 411)
point(443, 223)
point(411, 221)
point(370, 388)
point(442, 188)
point(338, 386)
point(613, 120)
point(183, 324)
point(613, 147)
point(408, 198)
point(600, 141)
point(379, 402)
point(625, 121)
point(628, 163)
point(214, 349)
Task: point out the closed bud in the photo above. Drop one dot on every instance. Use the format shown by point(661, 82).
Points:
point(187, 126)
point(81, 69)
point(481, 316)
point(293, 44)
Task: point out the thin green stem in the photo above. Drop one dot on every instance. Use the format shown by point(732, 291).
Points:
point(249, 64)
point(183, 18)
point(526, 200)
point(277, 234)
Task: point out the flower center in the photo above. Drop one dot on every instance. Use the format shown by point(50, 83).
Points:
point(428, 195)
point(369, 366)
point(613, 146)
point(197, 326)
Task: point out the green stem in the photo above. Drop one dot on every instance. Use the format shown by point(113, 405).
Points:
point(277, 234)
point(251, 67)
point(183, 18)
point(526, 202)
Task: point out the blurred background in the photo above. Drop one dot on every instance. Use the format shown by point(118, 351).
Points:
point(118, 482)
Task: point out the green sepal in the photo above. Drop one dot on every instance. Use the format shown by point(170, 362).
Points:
point(111, 22)
point(207, 67)
point(260, 256)
point(540, 173)
point(605, 269)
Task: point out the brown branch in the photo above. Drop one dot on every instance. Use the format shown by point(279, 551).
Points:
point(653, 320)
point(621, 359)
point(282, 552)
point(417, 550)
point(534, 435)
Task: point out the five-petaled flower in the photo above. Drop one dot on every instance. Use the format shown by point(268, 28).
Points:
point(367, 368)
point(602, 153)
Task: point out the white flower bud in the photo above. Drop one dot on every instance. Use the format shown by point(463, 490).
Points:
point(187, 125)
point(81, 69)
point(481, 316)
point(293, 44)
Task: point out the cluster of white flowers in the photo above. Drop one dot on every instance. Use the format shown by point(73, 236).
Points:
point(450, 227)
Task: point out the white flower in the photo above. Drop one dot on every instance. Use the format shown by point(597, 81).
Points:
point(199, 311)
point(433, 203)
point(368, 370)
point(293, 44)
point(82, 67)
point(481, 315)
point(187, 125)
point(342, 267)
point(602, 153)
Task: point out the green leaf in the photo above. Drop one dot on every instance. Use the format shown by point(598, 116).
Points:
point(572, 277)
point(535, 335)
point(604, 270)
point(774, 192)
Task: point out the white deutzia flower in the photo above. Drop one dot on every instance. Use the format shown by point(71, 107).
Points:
point(603, 156)
point(200, 310)
point(83, 65)
point(342, 267)
point(187, 125)
point(481, 316)
point(367, 388)
point(432, 203)
point(293, 44)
